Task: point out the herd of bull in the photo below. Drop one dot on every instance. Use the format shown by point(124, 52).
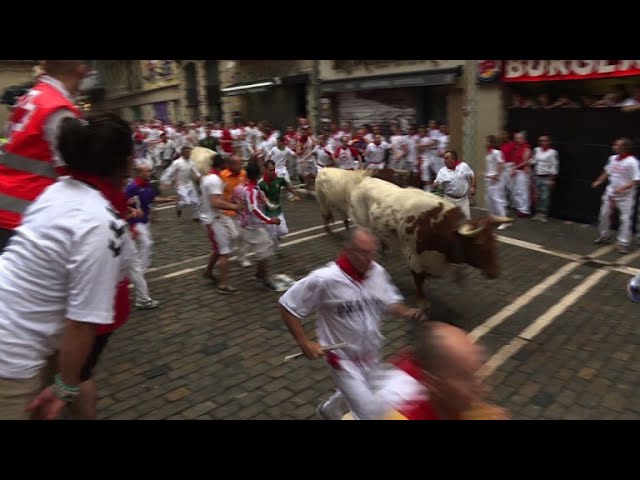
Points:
point(431, 232)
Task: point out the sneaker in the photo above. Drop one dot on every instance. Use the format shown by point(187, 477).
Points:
point(269, 285)
point(601, 240)
point(623, 249)
point(226, 290)
point(148, 305)
point(504, 226)
point(245, 263)
point(633, 292)
point(209, 276)
point(543, 218)
point(320, 413)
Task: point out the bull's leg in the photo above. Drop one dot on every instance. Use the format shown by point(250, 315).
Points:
point(327, 221)
point(418, 279)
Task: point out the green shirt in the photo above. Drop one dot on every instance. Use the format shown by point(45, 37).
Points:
point(272, 191)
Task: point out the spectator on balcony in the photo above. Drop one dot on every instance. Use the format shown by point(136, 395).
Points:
point(564, 101)
point(632, 103)
point(543, 101)
point(614, 98)
point(519, 101)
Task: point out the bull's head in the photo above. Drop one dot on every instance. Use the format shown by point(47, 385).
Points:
point(478, 244)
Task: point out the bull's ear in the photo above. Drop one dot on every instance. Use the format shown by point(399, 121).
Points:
point(470, 230)
point(499, 220)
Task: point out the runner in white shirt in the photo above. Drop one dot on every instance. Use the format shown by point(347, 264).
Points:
point(624, 176)
point(545, 161)
point(221, 228)
point(495, 192)
point(399, 149)
point(335, 136)
point(350, 297)
point(322, 154)
point(375, 153)
point(60, 271)
point(457, 180)
point(346, 157)
point(181, 173)
point(306, 166)
point(281, 155)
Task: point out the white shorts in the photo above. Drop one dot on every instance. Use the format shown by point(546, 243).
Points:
point(284, 173)
point(259, 242)
point(279, 230)
point(222, 232)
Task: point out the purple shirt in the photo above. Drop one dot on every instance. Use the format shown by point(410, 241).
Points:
point(146, 194)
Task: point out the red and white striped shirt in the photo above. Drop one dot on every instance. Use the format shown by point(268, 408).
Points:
point(254, 202)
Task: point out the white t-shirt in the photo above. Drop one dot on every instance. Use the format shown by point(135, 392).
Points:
point(281, 157)
point(621, 172)
point(211, 184)
point(323, 155)
point(180, 172)
point(493, 159)
point(546, 162)
point(64, 262)
point(455, 183)
point(375, 153)
point(346, 310)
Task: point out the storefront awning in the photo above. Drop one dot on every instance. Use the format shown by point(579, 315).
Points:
point(415, 79)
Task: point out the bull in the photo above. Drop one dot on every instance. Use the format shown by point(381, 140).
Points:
point(431, 232)
point(333, 190)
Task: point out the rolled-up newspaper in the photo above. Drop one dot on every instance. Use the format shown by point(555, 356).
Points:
point(326, 348)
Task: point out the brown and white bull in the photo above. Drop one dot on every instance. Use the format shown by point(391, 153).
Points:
point(431, 232)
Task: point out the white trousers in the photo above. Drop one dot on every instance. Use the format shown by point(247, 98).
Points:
point(522, 191)
point(277, 231)
point(187, 196)
point(495, 195)
point(357, 384)
point(624, 203)
point(145, 244)
point(136, 275)
point(463, 203)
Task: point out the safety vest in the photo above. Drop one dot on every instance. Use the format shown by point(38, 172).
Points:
point(26, 161)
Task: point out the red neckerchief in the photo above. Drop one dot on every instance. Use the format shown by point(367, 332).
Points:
point(140, 182)
point(345, 265)
point(114, 195)
point(268, 179)
point(457, 162)
point(544, 149)
point(622, 156)
point(213, 170)
point(118, 200)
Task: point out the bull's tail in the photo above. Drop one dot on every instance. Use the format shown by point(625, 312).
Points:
point(323, 203)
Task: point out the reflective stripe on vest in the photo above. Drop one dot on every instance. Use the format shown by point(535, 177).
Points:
point(28, 165)
point(13, 204)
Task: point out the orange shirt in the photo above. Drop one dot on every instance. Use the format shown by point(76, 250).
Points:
point(231, 181)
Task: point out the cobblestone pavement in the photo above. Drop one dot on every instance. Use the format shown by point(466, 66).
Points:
point(568, 349)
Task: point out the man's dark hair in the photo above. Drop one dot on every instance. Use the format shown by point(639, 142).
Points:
point(269, 162)
point(100, 145)
point(218, 162)
point(253, 171)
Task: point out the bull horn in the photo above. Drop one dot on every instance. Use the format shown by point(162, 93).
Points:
point(499, 220)
point(467, 230)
